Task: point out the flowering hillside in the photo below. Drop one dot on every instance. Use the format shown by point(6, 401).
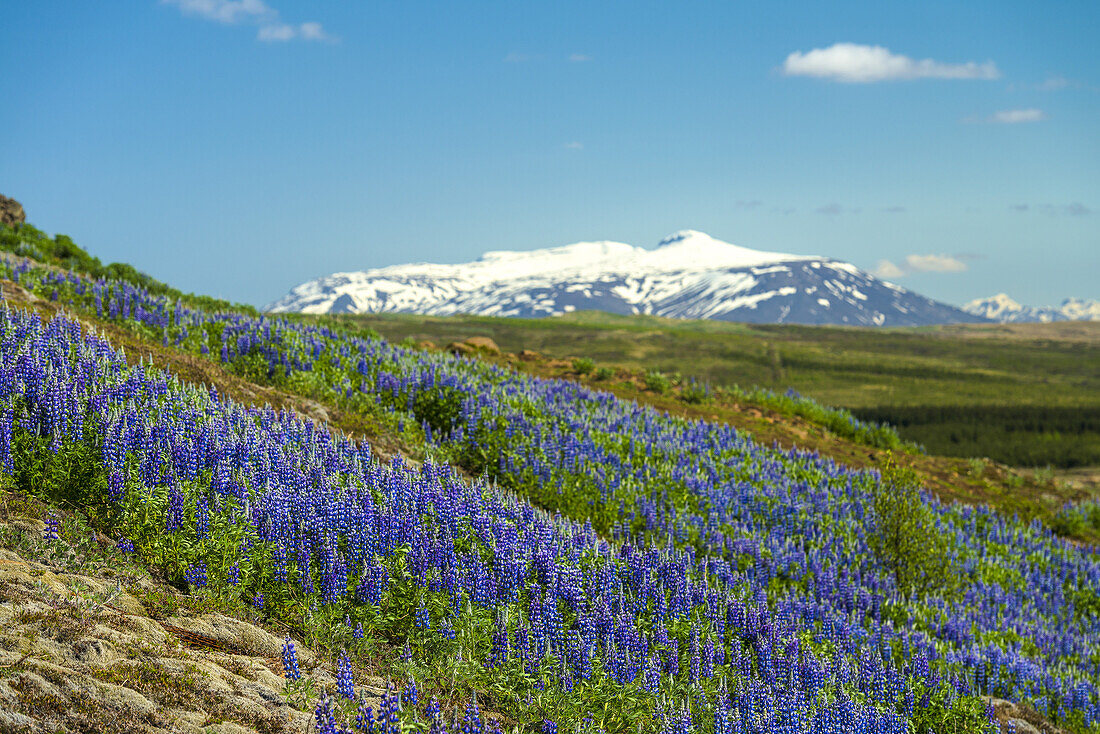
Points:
point(618, 569)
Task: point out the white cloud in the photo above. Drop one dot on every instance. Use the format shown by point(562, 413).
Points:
point(857, 63)
point(1054, 82)
point(312, 31)
point(830, 209)
point(225, 11)
point(886, 270)
point(277, 32)
point(1012, 117)
point(579, 58)
point(934, 264)
point(921, 264)
point(1009, 117)
point(516, 58)
point(574, 145)
point(287, 32)
point(1074, 209)
point(253, 12)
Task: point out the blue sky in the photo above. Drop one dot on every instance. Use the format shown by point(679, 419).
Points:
point(239, 148)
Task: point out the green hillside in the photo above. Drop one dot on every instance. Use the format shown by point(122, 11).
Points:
point(199, 439)
point(1026, 394)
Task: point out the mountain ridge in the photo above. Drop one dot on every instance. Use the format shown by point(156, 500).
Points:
point(1004, 309)
point(688, 275)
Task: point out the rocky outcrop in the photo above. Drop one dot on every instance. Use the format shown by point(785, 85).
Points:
point(11, 212)
point(1020, 718)
point(483, 343)
point(473, 346)
point(96, 651)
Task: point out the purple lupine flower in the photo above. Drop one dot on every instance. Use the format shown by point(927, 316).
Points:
point(290, 660)
point(196, 574)
point(423, 620)
point(344, 685)
point(364, 718)
point(174, 518)
point(388, 712)
point(471, 722)
point(115, 486)
point(53, 527)
point(326, 720)
point(409, 694)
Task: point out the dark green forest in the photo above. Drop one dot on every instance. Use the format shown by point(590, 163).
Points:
point(1017, 435)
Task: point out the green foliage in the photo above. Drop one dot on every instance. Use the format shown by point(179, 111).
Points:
point(837, 421)
point(948, 712)
point(1086, 601)
point(1044, 475)
point(300, 693)
point(1077, 521)
point(69, 475)
point(1062, 436)
point(904, 537)
point(876, 374)
point(254, 368)
point(60, 251)
point(658, 382)
point(695, 392)
point(976, 467)
point(583, 365)
point(604, 373)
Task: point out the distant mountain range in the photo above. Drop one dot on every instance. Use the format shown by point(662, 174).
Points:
point(688, 275)
point(1005, 310)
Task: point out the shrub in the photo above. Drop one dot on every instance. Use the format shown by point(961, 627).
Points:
point(1045, 475)
point(976, 467)
point(583, 365)
point(657, 381)
point(695, 392)
point(1077, 520)
point(604, 373)
point(904, 537)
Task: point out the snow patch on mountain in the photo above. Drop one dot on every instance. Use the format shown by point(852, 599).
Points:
point(688, 275)
point(1005, 310)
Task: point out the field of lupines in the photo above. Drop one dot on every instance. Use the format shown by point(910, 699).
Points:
point(689, 580)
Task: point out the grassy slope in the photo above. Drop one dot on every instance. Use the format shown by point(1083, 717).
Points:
point(1028, 494)
point(950, 478)
point(196, 370)
point(1030, 364)
point(75, 651)
point(1045, 375)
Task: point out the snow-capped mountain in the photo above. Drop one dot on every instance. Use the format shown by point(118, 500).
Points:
point(1002, 308)
point(688, 275)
